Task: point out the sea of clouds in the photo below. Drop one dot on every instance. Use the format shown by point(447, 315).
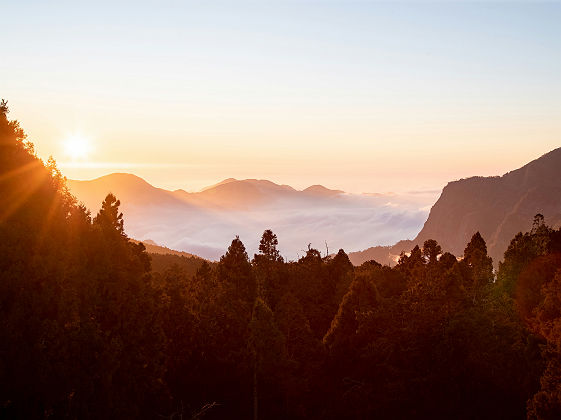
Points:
point(349, 221)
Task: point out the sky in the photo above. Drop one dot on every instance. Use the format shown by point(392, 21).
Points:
point(361, 96)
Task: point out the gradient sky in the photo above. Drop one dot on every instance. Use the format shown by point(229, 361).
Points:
point(362, 96)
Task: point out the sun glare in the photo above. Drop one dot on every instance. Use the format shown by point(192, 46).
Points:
point(77, 147)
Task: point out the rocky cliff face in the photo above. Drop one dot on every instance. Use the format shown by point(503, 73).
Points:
point(497, 207)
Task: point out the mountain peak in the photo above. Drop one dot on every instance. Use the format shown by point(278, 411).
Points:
point(121, 177)
point(126, 187)
point(118, 180)
point(223, 182)
point(321, 190)
point(498, 206)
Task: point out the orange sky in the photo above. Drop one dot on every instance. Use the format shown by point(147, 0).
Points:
point(363, 97)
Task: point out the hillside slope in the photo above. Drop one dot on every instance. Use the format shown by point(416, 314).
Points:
point(497, 207)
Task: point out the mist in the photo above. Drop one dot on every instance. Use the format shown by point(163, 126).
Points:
point(205, 223)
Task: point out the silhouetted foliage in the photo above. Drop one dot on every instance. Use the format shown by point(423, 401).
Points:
point(90, 327)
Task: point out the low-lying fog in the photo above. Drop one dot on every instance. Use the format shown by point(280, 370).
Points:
point(205, 223)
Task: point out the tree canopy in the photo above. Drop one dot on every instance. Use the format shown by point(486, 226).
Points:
point(89, 329)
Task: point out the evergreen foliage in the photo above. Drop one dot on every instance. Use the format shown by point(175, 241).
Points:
point(88, 330)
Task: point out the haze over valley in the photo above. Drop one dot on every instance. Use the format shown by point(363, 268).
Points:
point(204, 222)
point(367, 226)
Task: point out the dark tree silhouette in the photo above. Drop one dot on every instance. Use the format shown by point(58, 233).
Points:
point(89, 328)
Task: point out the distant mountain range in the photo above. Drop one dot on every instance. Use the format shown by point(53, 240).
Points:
point(498, 207)
point(230, 194)
point(204, 222)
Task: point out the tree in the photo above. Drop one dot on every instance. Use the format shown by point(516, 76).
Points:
point(546, 403)
point(523, 249)
point(447, 261)
point(413, 263)
point(80, 335)
point(268, 246)
point(109, 217)
point(309, 281)
point(479, 263)
point(361, 299)
point(341, 274)
point(269, 270)
point(267, 345)
point(234, 268)
point(541, 234)
point(529, 292)
point(431, 250)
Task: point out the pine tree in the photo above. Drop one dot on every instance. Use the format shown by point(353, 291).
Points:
point(361, 300)
point(268, 246)
point(267, 346)
point(109, 217)
point(431, 251)
point(235, 269)
point(480, 265)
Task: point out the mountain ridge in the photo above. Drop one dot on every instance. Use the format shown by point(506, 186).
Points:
point(228, 193)
point(498, 207)
point(203, 222)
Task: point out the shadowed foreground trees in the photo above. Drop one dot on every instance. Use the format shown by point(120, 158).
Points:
point(88, 330)
point(80, 329)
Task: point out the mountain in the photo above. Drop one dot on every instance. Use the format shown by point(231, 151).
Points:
point(225, 181)
point(383, 254)
point(204, 222)
point(153, 248)
point(245, 194)
point(320, 190)
point(498, 207)
point(127, 187)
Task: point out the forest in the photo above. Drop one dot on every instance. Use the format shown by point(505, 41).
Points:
point(89, 331)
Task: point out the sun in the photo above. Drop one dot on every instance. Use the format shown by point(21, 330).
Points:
point(77, 147)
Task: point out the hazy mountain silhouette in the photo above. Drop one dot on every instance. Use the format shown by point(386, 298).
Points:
point(203, 222)
point(235, 194)
point(127, 187)
point(498, 207)
point(153, 248)
point(320, 190)
point(226, 181)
